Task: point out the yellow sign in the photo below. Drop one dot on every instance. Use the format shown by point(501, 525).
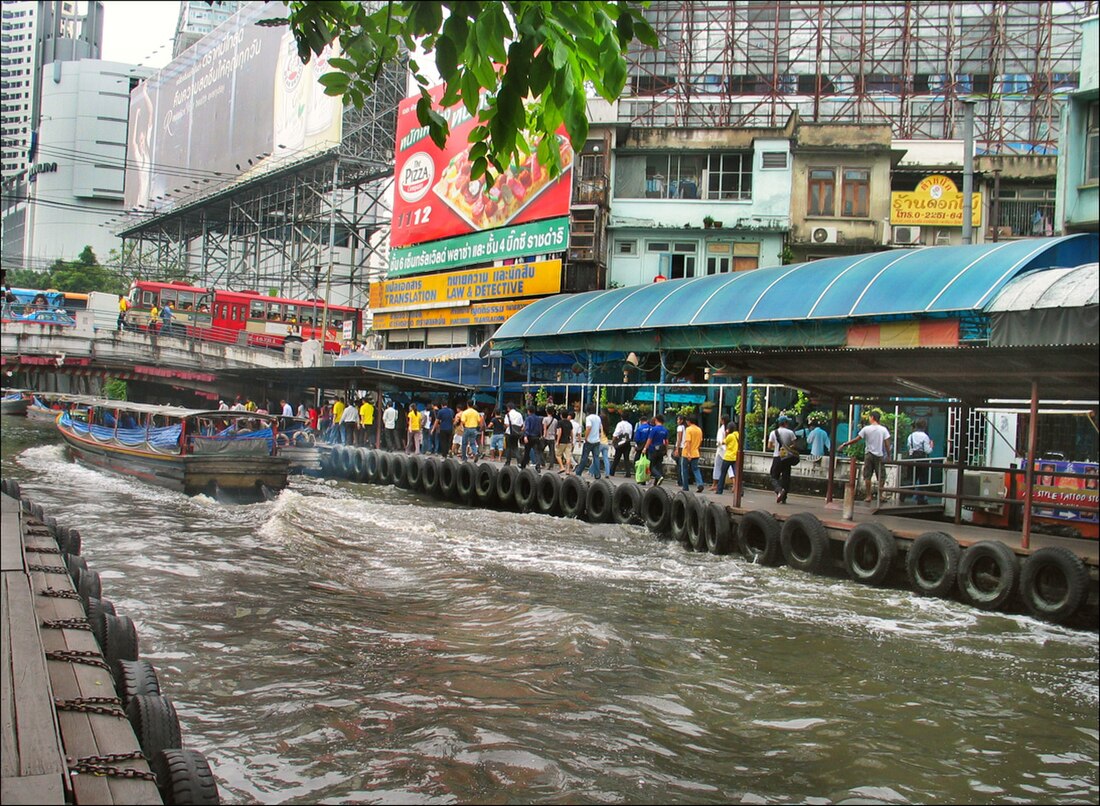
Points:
point(936, 201)
point(492, 313)
point(497, 282)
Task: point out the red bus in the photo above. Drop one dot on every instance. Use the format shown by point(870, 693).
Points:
point(243, 317)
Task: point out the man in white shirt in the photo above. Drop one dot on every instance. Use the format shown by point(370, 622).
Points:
point(591, 448)
point(513, 430)
point(350, 421)
point(876, 440)
point(389, 423)
point(621, 438)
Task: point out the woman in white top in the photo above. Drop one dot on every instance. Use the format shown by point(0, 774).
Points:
point(720, 451)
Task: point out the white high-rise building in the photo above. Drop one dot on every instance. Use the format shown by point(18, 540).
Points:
point(34, 35)
point(198, 18)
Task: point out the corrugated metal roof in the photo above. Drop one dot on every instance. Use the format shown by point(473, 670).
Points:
point(1053, 288)
point(915, 283)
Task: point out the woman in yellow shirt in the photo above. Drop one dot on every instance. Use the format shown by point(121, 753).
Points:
point(729, 458)
point(412, 439)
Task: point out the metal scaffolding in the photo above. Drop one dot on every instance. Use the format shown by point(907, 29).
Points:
point(309, 226)
point(748, 63)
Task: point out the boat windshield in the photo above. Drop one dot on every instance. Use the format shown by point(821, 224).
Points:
point(228, 433)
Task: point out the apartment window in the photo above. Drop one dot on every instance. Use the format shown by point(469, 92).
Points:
point(730, 177)
point(684, 176)
point(822, 187)
point(856, 193)
point(626, 247)
point(1092, 144)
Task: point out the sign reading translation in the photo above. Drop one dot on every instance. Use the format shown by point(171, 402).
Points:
point(469, 285)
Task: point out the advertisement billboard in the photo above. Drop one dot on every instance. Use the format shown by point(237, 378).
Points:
point(491, 313)
point(935, 200)
point(236, 98)
point(435, 198)
point(497, 282)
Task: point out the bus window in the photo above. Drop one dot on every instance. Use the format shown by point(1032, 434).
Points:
point(148, 298)
point(186, 301)
point(167, 296)
point(275, 312)
point(203, 305)
point(292, 314)
point(256, 309)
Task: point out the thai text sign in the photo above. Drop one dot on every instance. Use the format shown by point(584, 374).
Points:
point(496, 282)
point(536, 238)
point(434, 196)
point(487, 314)
point(936, 200)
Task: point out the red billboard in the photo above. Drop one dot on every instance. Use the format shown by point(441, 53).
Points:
point(435, 198)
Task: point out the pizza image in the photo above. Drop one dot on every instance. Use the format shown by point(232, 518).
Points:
point(486, 208)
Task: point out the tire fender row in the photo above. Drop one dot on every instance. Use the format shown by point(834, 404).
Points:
point(1051, 584)
point(182, 775)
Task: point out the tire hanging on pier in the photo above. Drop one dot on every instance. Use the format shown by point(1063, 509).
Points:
point(932, 564)
point(134, 678)
point(120, 640)
point(399, 470)
point(448, 479)
point(598, 504)
point(358, 465)
point(1054, 583)
point(413, 466)
point(373, 468)
point(429, 478)
point(385, 468)
point(626, 504)
point(717, 529)
point(573, 497)
point(657, 511)
point(506, 486)
point(696, 512)
point(184, 776)
point(485, 485)
point(96, 609)
point(988, 575)
point(678, 522)
point(89, 586)
point(466, 482)
point(548, 493)
point(343, 461)
point(869, 553)
point(527, 488)
point(758, 538)
point(805, 543)
point(155, 723)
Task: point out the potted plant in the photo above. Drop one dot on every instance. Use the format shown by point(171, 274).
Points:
point(708, 222)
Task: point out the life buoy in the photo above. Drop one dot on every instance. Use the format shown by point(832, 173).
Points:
point(526, 492)
point(155, 723)
point(134, 678)
point(758, 538)
point(626, 503)
point(506, 486)
point(1054, 583)
point(869, 553)
point(120, 640)
point(548, 493)
point(413, 467)
point(374, 468)
point(573, 497)
point(184, 776)
point(932, 564)
point(598, 504)
point(694, 528)
point(448, 479)
point(657, 511)
point(988, 574)
point(429, 477)
point(466, 481)
point(805, 543)
point(485, 484)
point(681, 502)
point(717, 529)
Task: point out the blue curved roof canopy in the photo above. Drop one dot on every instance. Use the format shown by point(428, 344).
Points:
point(820, 297)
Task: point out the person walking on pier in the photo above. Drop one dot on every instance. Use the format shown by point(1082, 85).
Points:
point(621, 438)
point(689, 455)
point(590, 450)
point(349, 422)
point(443, 429)
point(366, 421)
point(497, 428)
point(532, 439)
point(918, 446)
point(413, 437)
point(876, 441)
point(818, 442)
point(727, 464)
point(389, 424)
point(563, 450)
point(780, 441)
point(471, 434)
point(655, 448)
point(513, 422)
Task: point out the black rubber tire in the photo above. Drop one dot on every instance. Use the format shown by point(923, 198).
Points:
point(51, 525)
point(678, 515)
point(399, 471)
point(429, 478)
point(358, 470)
point(485, 485)
point(1054, 584)
point(869, 553)
point(134, 678)
point(598, 503)
point(184, 777)
point(527, 490)
point(373, 468)
point(448, 479)
point(573, 497)
point(548, 493)
point(988, 575)
point(758, 538)
point(120, 639)
point(89, 586)
point(932, 564)
point(626, 503)
point(413, 467)
point(75, 563)
point(344, 462)
point(385, 468)
point(466, 482)
point(805, 543)
point(696, 513)
point(506, 486)
point(717, 529)
point(325, 458)
point(657, 511)
point(155, 723)
point(96, 609)
point(71, 541)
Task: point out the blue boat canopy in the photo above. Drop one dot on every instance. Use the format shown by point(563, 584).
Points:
point(818, 298)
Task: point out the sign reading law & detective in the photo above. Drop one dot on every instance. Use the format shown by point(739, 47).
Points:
point(495, 282)
point(491, 313)
point(936, 200)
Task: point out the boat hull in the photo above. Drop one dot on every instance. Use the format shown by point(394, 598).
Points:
point(42, 415)
point(16, 408)
point(224, 476)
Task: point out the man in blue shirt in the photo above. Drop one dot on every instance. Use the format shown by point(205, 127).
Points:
point(656, 446)
point(641, 434)
point(444, 428)
point(818, 442)
point(532, 439)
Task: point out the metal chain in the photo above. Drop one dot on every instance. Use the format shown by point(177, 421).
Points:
point(43, 549)
point(102, 765)
point(59, 594)
point(88, 657)
point(67, 624)
point(111, 706)
point(49, 569)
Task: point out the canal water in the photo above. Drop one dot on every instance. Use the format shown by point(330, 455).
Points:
point(352, 643)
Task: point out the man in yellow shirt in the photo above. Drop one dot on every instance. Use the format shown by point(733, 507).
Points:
point(366, 421)
point(337, 419)
point(471, 430)
point(123, 307)
point(689, 461)
point(729, 457)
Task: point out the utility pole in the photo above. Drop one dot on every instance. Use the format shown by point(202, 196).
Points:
point(968, 171)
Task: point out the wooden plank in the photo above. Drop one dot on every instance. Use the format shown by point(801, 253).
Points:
point(9, 746)
point(11, 548)
point(32, 790)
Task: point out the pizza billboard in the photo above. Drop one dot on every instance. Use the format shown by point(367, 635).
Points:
point(435, 198)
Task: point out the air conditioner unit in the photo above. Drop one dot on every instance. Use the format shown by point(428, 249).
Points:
point(824, 235)
point(906, 235)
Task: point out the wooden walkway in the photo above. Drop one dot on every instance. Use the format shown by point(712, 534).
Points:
point(41, 742)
